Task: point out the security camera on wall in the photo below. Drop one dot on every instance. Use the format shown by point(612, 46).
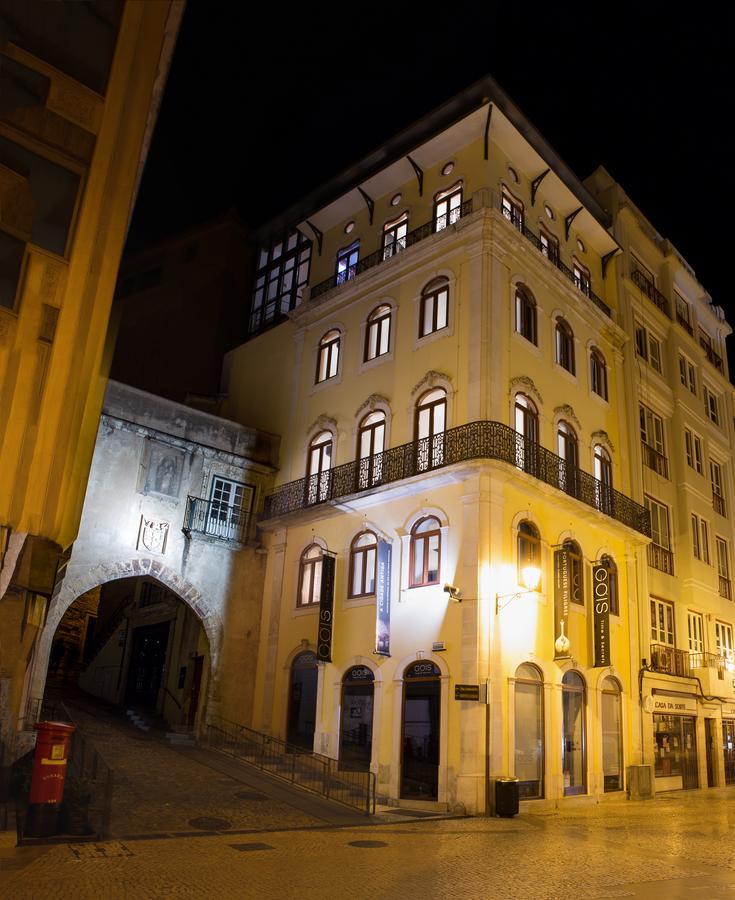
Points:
point(454, 592)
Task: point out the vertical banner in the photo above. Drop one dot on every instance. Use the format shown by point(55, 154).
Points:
point(326, 610)
point(601, 615)
point(382, 600)
point(561, 604)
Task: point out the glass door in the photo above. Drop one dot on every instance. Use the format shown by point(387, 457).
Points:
point(420, 735)
point(573, 746)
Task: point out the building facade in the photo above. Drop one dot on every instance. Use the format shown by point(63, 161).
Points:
point(459, 540)
point(80, 85)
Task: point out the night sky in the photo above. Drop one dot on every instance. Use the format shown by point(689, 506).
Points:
point(263, 103)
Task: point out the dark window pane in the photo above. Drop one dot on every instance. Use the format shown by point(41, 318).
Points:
point(11, 258)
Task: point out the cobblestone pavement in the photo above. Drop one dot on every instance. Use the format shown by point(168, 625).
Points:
point(675, 846)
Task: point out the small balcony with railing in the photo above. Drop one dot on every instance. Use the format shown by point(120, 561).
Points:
point(216, 519)
point(685, 324)
point(655, 460)
point(718, 504)
point(670, 661)
point(713, 670)
point(713, 358)
point(660, 558)
point(647, 287)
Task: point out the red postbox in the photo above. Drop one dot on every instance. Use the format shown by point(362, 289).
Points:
point(49, 774)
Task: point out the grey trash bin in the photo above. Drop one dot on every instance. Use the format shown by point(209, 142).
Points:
point(506, 796)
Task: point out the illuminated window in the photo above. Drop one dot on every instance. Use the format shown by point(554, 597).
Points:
point(648, 347)
point(549, 245)
point(431, 421)
point(363, 554)
point(425, 555)
point(512, 208)
point(695, 632)
point(526, 426)
point(612, 736)
point(434, 313)
point(582, 277)
point(328, 359)
point(529, 731)
point(526, 313)
point(448, 207)
point(347, 262)
point(310, 576)
point(394, 236)
point(604, 479)
point(723, 637)
point(564, 345)
point(529, 549)
point(598, 373)
point(280, 279)
point(318, 468)
point(370, 447)
point(377, 333)
point(662, 622)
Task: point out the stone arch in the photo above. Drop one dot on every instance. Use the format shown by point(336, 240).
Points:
point(78, 580)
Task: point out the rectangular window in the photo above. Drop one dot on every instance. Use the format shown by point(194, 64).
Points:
point(512, 209)
point(347, 262)
point(229, 509)
point(700, 538)
point(659, 551)
point(695, 628)
point(549, 246)
point(687, 374)
point(581, 276)
point(711, 406)
point(723, 568)
point(723, 637)
point(448, 207)
point(394, 236)
point(683, 315)
point(693, 447)
point(280, 279)
point(718, 490)
point(648, 347)
point(662, 622)
point(696, 549)
point(652, 440)
point(644, 270)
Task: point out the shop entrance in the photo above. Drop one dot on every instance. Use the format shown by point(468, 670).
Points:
point(356, 720)
point(676, 752)
point(728, 749)
point(711, 747)
point(420, 732)
point(574, 738)
point(302, 701)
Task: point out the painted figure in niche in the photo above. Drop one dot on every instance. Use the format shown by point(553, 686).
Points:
point(166, 475)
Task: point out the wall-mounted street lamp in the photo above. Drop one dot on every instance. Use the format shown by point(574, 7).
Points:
point(530, 578)
point(454, 592)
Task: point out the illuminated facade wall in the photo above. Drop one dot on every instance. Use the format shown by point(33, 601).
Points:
point(502, 295)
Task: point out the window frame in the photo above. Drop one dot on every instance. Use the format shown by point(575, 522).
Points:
point(512, 208)
point(431, 293)
point(528, 549)
point(549, 245)
point(657, 606)
point(349, 266)
point(564, 345)
point(309, 564)
point(659, 507)
point(598, 373)
point(379, 323)
point(695, 635)
point(576, 571)
point(526, 314)
point(364, 552)
point(724, 640)
point(446, 197)
point(326, 352)
point(711, 405)
point(393, 241)
point(688, 374)
point(582, 277)
point(415, 537)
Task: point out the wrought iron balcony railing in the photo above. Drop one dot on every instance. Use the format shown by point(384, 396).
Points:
point(552, 255)
point(375, 259)
point(714, 358)
point(661, 558)
point(725, 587)
point(655, 460)
point(476, 440)
point(651, 291)
point(701, 660)
point(670, 661)
point(684, 323)
point(718, 504)
point(215, 518)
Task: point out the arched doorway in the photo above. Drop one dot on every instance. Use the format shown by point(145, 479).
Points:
point(132, 642)
point(356, 720)
point(574, 762)
point(302, 701)
point(420, 731)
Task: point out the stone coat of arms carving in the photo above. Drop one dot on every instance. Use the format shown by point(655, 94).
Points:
point(152, 535)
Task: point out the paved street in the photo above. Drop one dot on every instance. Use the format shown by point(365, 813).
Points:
point(675, 846)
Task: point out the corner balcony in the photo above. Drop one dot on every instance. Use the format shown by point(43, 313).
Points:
point(474, 441)
point(215, 519)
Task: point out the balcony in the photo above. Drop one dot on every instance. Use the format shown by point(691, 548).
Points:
point(385, 253)
point(582, 285)
point(714, 358)
point(215, 519)
point(661, 558)
point(474, 441)
point(718, 504)
point(725, 588)
point(651, 291)
point(670, 661)
point(684, 323)
point(655, 460)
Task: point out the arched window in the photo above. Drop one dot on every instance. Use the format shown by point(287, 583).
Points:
point(394, 236)
point(598, 373)
point(568, 451)
point(370, 446)
point(526, 314)
point(604, 484)
point(529, 548)
point(431, 421)
point(377, 333)
point(318, 465)
point(526, 425)
point(448, 207)
point(434, 314)
point(425, 555)
point(328, 359)
point(529, 732)
point(564, 345)
point(574, 737)
point(310, 576)
point(612, 583)
point(363, 553)
point(576, 571)
point(612, 736)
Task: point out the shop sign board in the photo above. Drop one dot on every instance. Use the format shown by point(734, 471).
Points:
point(561, 604)
point(382, 600)
point(601, 614)
point(326, 610)
point(468, 692)
point(671, 706)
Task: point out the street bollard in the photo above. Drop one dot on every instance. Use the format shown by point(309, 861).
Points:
point(49, 774)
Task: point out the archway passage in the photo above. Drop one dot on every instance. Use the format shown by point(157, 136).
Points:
point(135, 644)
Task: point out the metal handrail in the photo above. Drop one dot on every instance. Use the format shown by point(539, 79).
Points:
point(660, 558)
point(651, 291)
point(670, 660)
point(655, 460)
point(313, 771)
point(712, 357)
point(215, 518)
point(374, 259)
point(474, 441)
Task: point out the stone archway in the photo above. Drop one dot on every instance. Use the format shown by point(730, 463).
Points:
point(79, 579)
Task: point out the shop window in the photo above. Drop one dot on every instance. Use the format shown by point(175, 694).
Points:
point(356, 720)
point(529, 732)
point(377, 333)
point(328, 358)
point(434, 313)
point(425, 552)
point(564, 338)
point(675, 750)
point(598, 373)
point(310, 576)
point(363, 553)
point(526, 314)
point(574, 737)
point(612, 736)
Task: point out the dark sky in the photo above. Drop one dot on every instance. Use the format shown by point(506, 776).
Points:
point(263, 103)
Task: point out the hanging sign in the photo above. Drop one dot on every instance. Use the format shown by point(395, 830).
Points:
point(382, 599)
point(326, 610)
point(562, 646)
point(601, 614)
